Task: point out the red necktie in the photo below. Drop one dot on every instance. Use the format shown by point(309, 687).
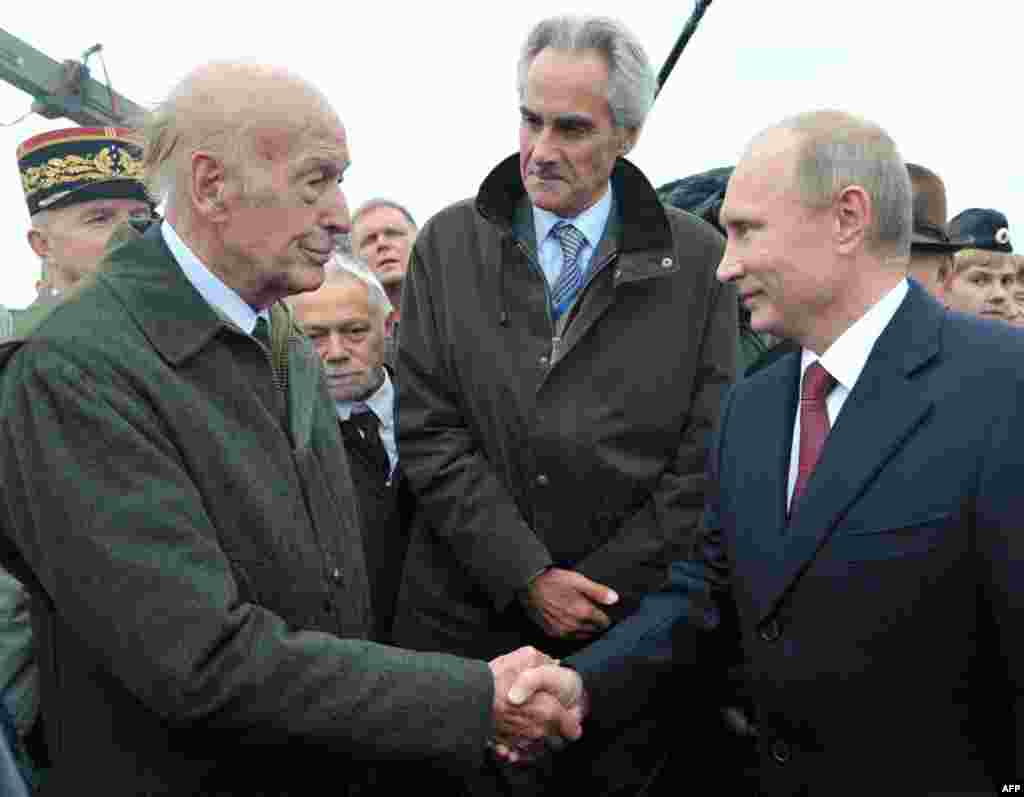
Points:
point(814, 424)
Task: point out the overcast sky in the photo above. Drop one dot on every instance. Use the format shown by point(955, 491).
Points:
point(427, 90)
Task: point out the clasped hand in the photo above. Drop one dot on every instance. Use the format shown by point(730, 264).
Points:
point(536, 702)
point(567, 604)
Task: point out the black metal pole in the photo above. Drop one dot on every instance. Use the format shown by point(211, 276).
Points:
point(691, 26)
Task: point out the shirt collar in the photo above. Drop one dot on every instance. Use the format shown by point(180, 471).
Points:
point(381, 403)
point(218, 295)
point(591, 222)
point(848, 354)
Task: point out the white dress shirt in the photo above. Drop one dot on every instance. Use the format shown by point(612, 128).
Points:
point(382, 404)
point(591, 222)
point(845, 360)
point(218, 295)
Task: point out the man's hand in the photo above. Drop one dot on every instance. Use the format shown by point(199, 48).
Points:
point(567, 604)
point(520, 725)
point(539, 683)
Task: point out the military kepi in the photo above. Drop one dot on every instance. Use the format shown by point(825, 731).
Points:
point(63, 167)
point(985, 228)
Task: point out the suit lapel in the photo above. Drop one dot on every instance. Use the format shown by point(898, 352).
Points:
point(761, 458)
point(878, 418)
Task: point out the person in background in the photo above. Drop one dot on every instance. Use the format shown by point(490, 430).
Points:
point(564, 350)
point(345, 319)
point(931, 248)
point(1018, 291)
point(383, 233)
point(80, 183)
point(983, 280)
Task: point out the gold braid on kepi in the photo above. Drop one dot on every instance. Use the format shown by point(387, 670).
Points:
point(76, 164)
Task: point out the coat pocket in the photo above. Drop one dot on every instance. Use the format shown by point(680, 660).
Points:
point(913, 536)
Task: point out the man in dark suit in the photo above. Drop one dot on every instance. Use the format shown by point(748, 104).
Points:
point(863, 551)
point(345, 318)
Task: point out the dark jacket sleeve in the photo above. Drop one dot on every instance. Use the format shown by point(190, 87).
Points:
point(109, 520)
point(688, 629)
point(665, 524)
point(456, 487)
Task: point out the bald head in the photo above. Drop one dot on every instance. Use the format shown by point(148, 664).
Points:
point(234, 111)
point(250, 160)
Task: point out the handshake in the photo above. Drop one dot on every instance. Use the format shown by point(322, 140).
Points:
point(538, 705)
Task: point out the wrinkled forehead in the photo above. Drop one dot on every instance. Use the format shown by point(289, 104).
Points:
point(318, 133)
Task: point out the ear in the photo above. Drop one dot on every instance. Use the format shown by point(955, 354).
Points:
point(207, 186)
point(854, 213)
point(39, 242)
point(628, 140)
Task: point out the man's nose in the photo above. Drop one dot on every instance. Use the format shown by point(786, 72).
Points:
point(729, 268)
point(336, 217)
point(335, 349)
point(1000, 293)
point(545, 147)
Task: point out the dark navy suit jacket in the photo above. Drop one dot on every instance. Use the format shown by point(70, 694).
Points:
point(882, 629)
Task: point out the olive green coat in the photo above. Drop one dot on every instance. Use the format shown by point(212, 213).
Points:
point(192, 534)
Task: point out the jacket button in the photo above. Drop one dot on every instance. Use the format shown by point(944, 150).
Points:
point(543, 480)
point(336, 575)
point(544, 361)
point(618, 273)
point(781, 751)
point(666, 263)
point(770, 631)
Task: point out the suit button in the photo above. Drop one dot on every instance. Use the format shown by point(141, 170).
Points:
point(770, 631)
point(781, 751)
point(666, 263)
point(336, 575)
point(543, 481)
point(544, 360)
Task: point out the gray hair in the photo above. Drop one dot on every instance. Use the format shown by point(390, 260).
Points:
point(380, 202)
point(345, 266)
point(840, 150)
point(631, 79)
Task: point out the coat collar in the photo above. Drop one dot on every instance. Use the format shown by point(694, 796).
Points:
point(884, 410)
point(644, 223)
point(176, 320)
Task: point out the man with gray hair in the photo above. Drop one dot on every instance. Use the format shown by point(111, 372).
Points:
point(563, 353)
point(862, 553)
point(175, 492)
point(345, 318)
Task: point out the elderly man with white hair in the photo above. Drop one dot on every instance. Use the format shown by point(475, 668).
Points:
point(180, 500)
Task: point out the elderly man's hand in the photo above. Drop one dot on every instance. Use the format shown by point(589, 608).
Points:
point(567, 604)
point(534, 700)
point(534, 691)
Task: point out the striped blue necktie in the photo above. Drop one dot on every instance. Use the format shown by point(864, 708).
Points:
point(570, 279)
